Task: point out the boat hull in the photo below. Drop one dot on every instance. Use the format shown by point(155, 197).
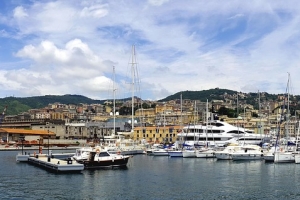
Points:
point(297, 158)
point(160, 152)
point(175, 153)
point(189, 154)
point(223, 156)
point(284, 157)
point(120, 162)
point(205, 154)
point(246, 156)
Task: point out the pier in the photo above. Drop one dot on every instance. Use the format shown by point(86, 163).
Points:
point(53, 164)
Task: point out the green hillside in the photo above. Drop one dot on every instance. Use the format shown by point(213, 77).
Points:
point(212, 94)
point(16, 105)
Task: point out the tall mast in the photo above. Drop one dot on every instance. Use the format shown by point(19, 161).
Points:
point(181, 111)
point(288, 106)
point(259, 112)
point(114, 96)
point(132, 87)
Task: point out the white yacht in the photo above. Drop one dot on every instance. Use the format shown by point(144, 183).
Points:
point(189, 153)
point(205, 153)
point(248, 152)
point(284, 156)
point(217, 133)
point(225, 154)
point(160, 152)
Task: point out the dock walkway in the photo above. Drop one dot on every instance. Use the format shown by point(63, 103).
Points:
point(52, 164)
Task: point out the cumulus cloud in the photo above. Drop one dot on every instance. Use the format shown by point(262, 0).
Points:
point(20, 12)
point(72, 46)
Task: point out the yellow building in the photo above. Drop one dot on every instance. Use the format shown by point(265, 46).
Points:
point(166, 134)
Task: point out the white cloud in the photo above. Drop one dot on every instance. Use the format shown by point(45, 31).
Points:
point(96, 11)
point(20, 12)
point(71, 46)
point(157, 2)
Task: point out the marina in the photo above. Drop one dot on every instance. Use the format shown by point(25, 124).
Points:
point(155, 177)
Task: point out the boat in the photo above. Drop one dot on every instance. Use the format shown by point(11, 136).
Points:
point(205, 153)
point(218, 133)
point(269, 154)
point(297, 153)
point(297, 157)
point(82, 154)
point(248, 152)
point(284, 155)
point(226, 153)
point(99, 158)
point(175, 153)
point(160, 152)
point(189, 153)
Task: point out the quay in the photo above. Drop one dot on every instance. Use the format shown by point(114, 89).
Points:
point(53, 164)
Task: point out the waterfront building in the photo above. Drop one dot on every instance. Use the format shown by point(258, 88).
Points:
point(152, 134)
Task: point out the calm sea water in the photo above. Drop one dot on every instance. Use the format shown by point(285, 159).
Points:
point(149, 177)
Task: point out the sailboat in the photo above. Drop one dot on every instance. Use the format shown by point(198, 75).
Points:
point(284, 155)
point(128, 146)
point(177, 152)
point(297, 153)
point(207, 151)
point(190, 152)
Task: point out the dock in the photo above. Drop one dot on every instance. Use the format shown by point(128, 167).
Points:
point(53, 164)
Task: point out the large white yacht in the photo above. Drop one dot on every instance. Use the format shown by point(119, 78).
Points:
point(217, 133)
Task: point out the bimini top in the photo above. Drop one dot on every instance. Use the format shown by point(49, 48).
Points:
point(25, 131)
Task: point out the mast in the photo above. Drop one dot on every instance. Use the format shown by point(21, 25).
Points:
point(237, 105)
point(114, 104)
point(206, 121)
point(181, 111)
point(288, 106)
point(259, 112)
point(181, 126)
point(194, 123)
point(132, 87)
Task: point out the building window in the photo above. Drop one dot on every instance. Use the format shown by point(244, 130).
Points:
point(144, 130)
point(171, 130)
point(150, 131)
point(157, 130)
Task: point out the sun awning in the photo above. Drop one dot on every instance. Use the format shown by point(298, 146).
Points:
point(25, 131)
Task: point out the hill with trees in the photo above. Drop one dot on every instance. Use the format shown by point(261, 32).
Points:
point(16, 105)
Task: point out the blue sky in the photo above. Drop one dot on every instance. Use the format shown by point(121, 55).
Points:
point(70, 47)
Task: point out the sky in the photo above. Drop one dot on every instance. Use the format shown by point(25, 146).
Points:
point(86, 47)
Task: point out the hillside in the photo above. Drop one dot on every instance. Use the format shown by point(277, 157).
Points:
point(16, 105)
point(218, 94)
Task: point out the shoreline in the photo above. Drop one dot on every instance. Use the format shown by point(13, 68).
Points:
point(3, 148)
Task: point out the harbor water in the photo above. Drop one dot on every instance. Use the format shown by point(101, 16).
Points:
point(148, 177)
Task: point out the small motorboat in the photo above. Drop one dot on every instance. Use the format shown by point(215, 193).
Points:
point(99, 158)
